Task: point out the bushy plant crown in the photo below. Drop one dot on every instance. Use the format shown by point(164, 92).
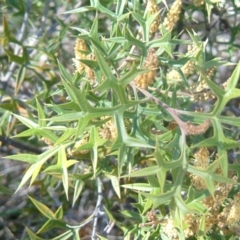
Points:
point(128, 115)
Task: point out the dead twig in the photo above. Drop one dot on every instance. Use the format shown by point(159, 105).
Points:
point(187, 128)
point(97, 211)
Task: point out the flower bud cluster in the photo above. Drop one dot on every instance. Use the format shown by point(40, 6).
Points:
point(202, 91)
point(203, 96)
point(108, 130)
point(74, 151)
point(153, 8)
point(80, 51)
point(170, 230)
point(230, 216)
point(198, 3)
point(221, 213)
point(201, 160)
point(193, 224)
point(210, 72)
point(192, 129)
point(234, 214)
point(173, 15)
point(225, 84)
point(187, 69)
point(151, 63)
point(172, 125)
point(80, 48)
point(218, 215)
point(214, 205)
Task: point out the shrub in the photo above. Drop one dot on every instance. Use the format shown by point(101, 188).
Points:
point(140, 126)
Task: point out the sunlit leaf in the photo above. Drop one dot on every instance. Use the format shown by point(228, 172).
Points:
point(43, 208)
point(52, 223)
point(33, 235)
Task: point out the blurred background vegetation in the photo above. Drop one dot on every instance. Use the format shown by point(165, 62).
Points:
point(33, 35)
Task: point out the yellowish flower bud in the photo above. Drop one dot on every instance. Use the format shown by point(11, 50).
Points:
point(173, 15)
point(80, 54)
point(153, 8)
point(151, 63)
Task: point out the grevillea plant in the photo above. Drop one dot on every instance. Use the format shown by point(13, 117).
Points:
point(129, 118)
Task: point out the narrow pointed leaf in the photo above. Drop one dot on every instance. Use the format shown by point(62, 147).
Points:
point(104, 66)
point(78, 187)
point(45, 211)
point(62, 162)
point(26, 121)
point(33, 235)
point(143, 172)
point(29, 158)
point(65, 236)
point(41, 115)
point(52, 223)
point(59, 213)
point(115, 184)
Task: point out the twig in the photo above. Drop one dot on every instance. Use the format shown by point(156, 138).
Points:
point(109, 227)
point(43, 18)
point(8, 232)
point(20, 145)
point(97, 211)
point(187, 128)
point(170, 110)
point(96, 214)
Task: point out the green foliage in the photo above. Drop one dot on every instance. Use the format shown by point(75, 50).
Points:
point(112, 132)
